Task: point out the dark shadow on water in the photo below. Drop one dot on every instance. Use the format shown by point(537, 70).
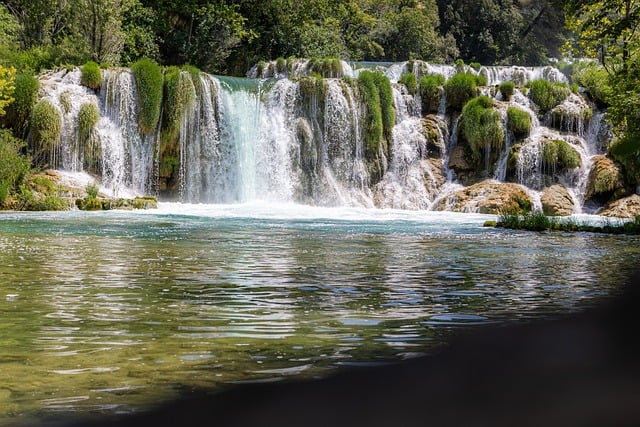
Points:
point(580, 370)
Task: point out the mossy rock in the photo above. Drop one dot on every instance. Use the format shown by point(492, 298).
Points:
point(327, 67)
point(91, 76)
point(431, 92)
point(482, 128)
point(432, 129)
point(572, 115)
point(546, 95)
point(559, 155)
point(149, 84)
point(410, 82)
point(506, 89)
point(488, 197)
point(461, 88)
point(519, 122)
point(604, 181)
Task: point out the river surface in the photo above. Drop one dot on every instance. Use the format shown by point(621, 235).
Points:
point(105, 313)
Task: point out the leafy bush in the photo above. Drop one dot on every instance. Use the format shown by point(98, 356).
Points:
point(430, 92)
point(547, 95)
point(25, 96)
point(327, 67)
point(91, 75)
point(88, 116)
point(411, 83)
point(149, 82)
point(506, 89)
point(519, 121)
point(595, 79)
point(481, 125)
point(46, 124)
point(14, 167)
point(557, 154)
point(461, 88)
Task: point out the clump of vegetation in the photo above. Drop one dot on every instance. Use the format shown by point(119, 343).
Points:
point(595, 79)
point(506, 89)
point(90, 201)
point(14, 167)
point(547, 95)
point(149, 82)
point(88, 116)
point(65, 101)
point(327, 67)
point(431, 92)
point(91, 75)
point(25, 96)
point(481, 126)
point(538, 221)
point(410, 82)
point(46, 125)
point(558, 154)
point(380, 119)
point(626, 151)
point(519, 121)
point(461, 88)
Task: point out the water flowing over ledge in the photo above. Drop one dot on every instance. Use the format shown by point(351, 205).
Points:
point(287, 136)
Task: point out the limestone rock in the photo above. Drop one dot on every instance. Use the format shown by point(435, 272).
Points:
point(629, 207)
point(488, 197)
point(557, 201)
point(605, 180)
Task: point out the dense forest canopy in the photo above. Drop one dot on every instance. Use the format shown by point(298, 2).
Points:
point(229, 36)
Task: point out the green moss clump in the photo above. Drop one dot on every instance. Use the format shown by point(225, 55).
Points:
point(179, 94)
point(46, 124)
point(557, 154)
point(481, 126)
point(519, 121)
point(506, 89)
point(149, 82)
point(88, 116)
point(281, 65)
point(410, 82)
point(25, 96)
point(547, 95)
point(461, 88)
point(327, 67)
point(65, 101)
point(91, 75)
point(431, 92)
point(380, 119)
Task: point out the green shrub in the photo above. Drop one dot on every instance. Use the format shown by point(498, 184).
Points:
point(92, 190)
point(14, 167)
point(91, 75)
point(88, 116)
point(46, 124)
point(411, 83)
point(25, 96)
point(519, 121)
point(149, 82)
point(558, 154)
point(595, 79)
point(281, 65)
point(430, 92)
point(506, 89)
point(327, 67)
point(547, 95)
point(380, 119)
point(179, 94)
point(461, 88)
point(481, 126)
point(475, 65)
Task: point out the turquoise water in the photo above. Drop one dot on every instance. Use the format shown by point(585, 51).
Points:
point(110, 312)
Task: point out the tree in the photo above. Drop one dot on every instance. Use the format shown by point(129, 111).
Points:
point(100, 23)
point(7, 87)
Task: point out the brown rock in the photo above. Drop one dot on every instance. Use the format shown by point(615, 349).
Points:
point(605, 180)
point(629, 207)
point(557, 201)
point(489, 197)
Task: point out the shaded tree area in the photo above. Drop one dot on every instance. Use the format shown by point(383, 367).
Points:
point(227, 37)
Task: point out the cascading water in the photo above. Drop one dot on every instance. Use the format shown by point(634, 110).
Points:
point(303, 140)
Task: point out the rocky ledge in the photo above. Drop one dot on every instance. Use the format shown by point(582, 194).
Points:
point(488, 197)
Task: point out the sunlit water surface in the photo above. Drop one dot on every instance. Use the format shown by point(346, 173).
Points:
point(107, 313)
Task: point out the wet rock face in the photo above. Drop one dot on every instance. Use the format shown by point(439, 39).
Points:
point(488, 197)
point(628, 207)
point(557, 201)
point(605, 180)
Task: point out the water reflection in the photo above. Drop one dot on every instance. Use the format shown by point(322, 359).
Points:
point(109, 312)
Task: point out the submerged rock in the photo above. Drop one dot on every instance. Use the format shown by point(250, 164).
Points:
point(488, 197)
point(557, 201)
point(628, 207)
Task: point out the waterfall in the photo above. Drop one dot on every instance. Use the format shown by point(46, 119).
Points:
point(285, 136)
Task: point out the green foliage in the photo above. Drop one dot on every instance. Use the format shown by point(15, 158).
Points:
point(481, 126)
point(461, 88)
point(88, 116)
point(25, 96)
point(380, 114)
point(506, 89)
point(149, 82)
point(410, 82)
point(327, 67)
point(547, 95)
point(91, 75)
point(14, 167)
point(46, 124)
point(431, 92)
point(92, 190)
point(595, 79)
point(519, 121)
point(557, 154)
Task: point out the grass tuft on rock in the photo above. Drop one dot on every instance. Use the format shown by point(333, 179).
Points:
point(149, 82)
point(91, 75)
